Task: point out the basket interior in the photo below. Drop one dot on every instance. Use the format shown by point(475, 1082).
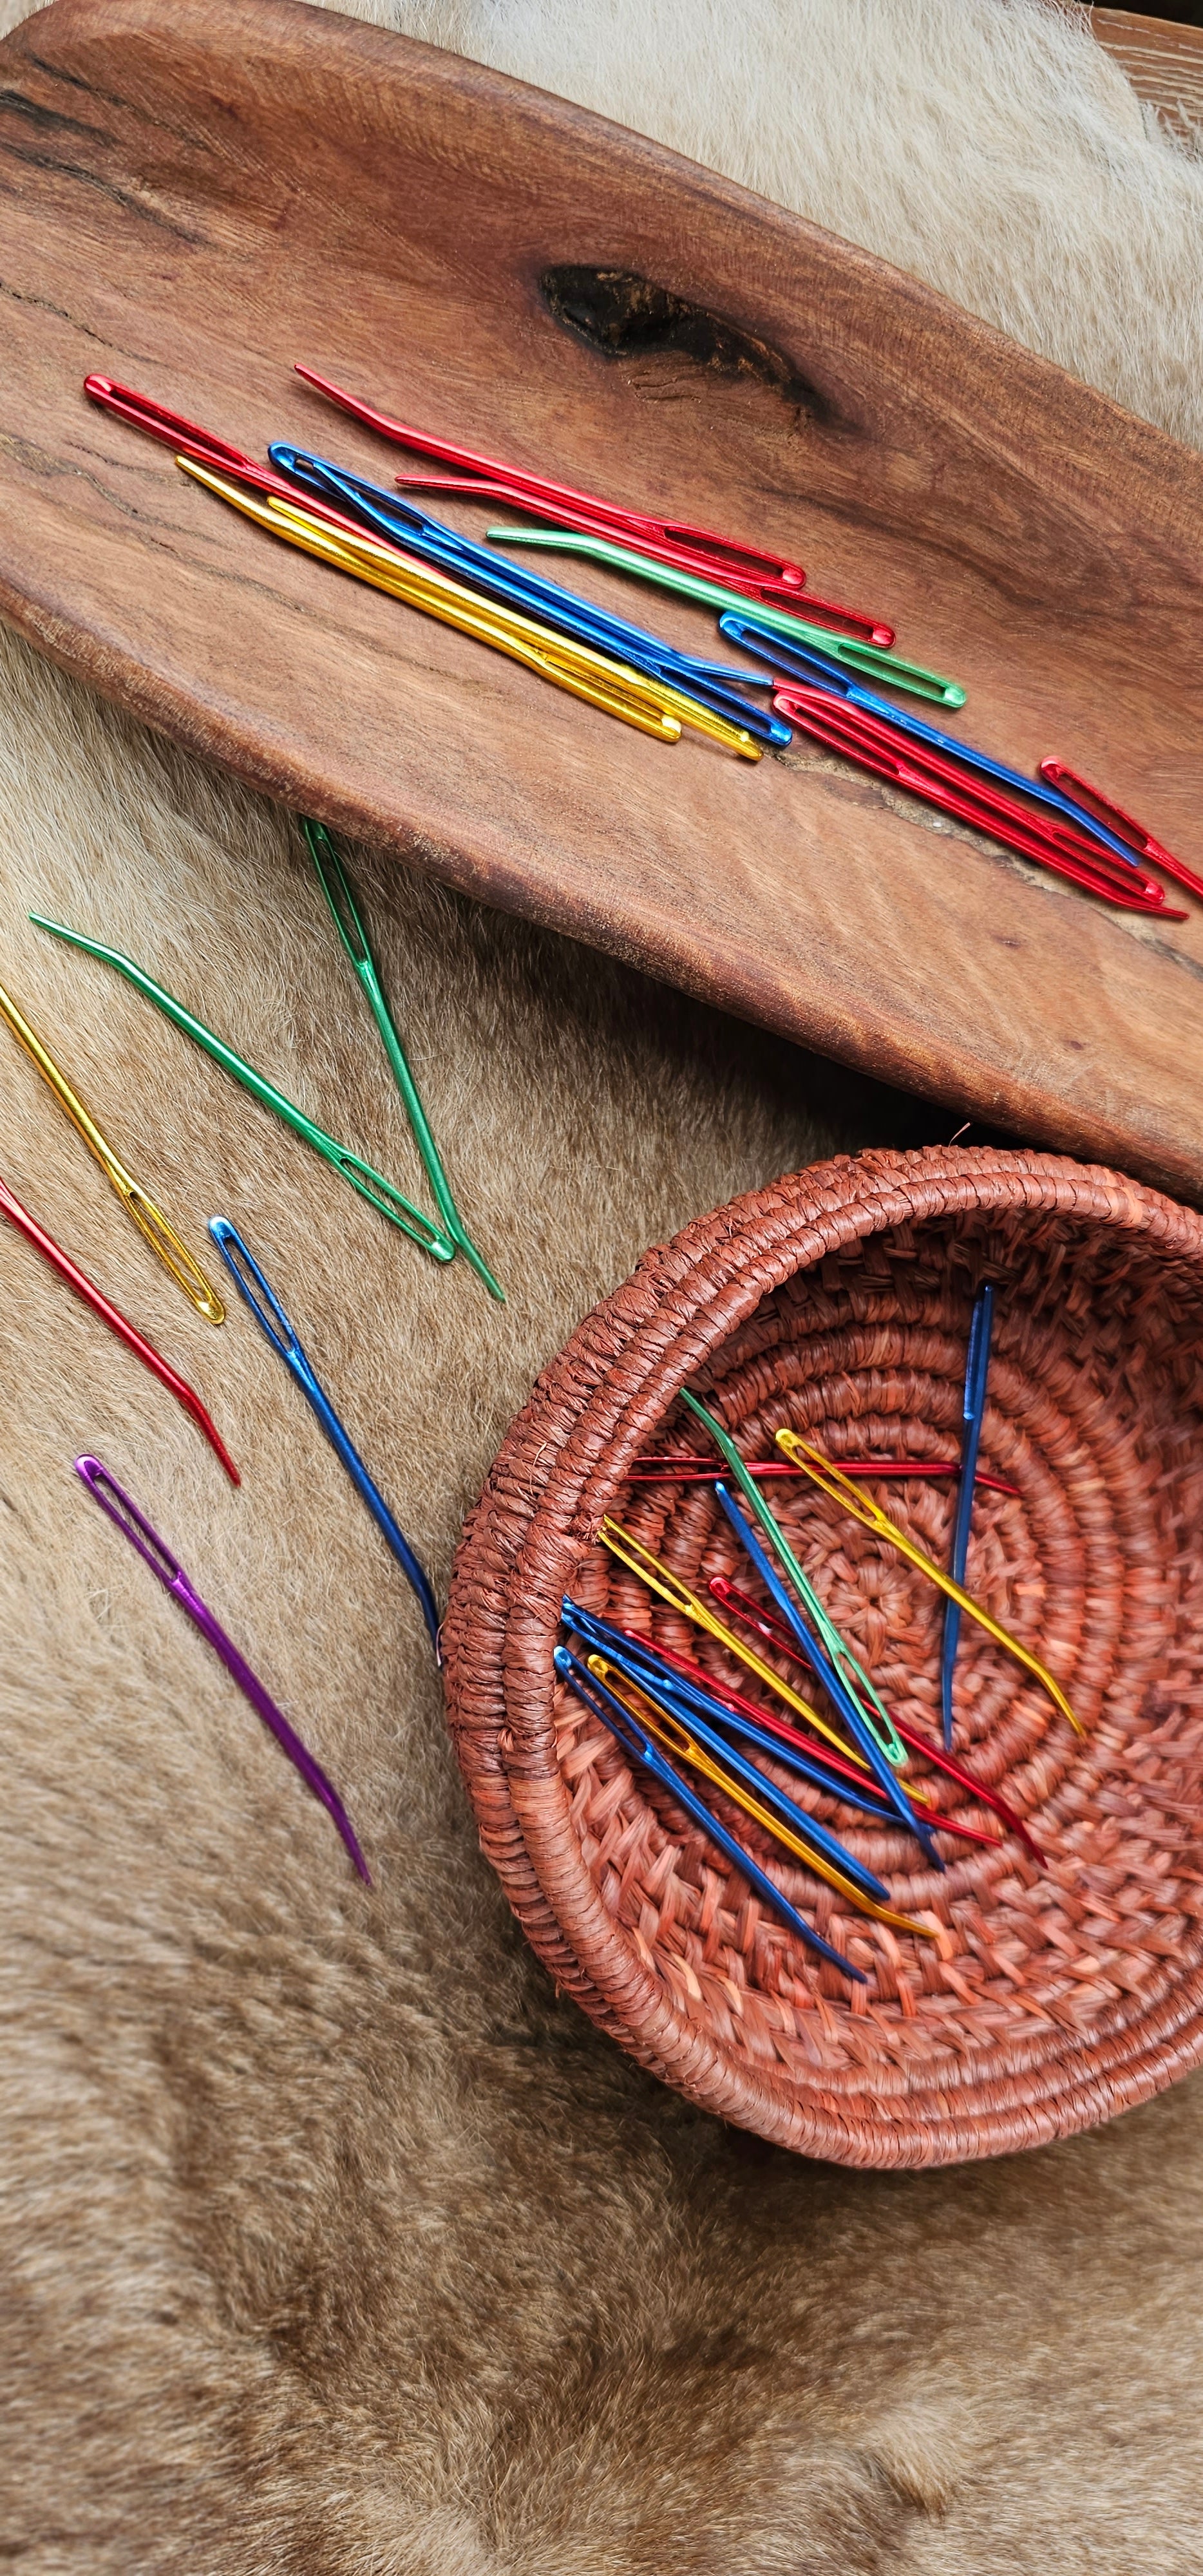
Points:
point(1093, 1414)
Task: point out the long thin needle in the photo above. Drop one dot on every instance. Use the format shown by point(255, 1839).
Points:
point(148, 1218)
point(688, 1744)
point(977, 1366)
point(111, 1315)
point(851, 1673)
point(617, 692)
point(838, 1488)
point(134, 1526)
point(636, 1743)
point(269, 1314)
point(344, 912)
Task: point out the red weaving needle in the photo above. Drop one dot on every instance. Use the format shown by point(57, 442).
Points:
point(116, 1321)
point(688, 1469)
point(875, 745)
point(819, 1754)
point(186, 439)
point(1123, 825)
point(773, 1632)
point(633, 523)
point(602, 519)
point(871, 744)
point(767, 577)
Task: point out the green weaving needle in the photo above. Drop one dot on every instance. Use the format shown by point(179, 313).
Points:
point(370, 1184)
point(871, 659)
point(853, 1675)
point(344, 913)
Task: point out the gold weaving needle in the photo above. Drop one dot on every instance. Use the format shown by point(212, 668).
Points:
point(676, 1738)
point(638, 1559)
point(585, 675)
point(356, 555)
point(831, 1481)
point(558, 658)
point(148, 1218)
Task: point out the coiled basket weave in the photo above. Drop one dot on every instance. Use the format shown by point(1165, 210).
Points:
point(838, 1301)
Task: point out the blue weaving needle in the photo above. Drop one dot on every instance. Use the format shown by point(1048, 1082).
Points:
point(833, 1681)
point(664, 1688)
point(635, 1743)
point(617, 1642)
point(283, 1338)
point(422, 535)
point(404, 524)
point(803, 662)
point(977, 1369)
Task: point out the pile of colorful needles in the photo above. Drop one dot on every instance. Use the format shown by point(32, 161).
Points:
point(670, 1714)
point(819, 654)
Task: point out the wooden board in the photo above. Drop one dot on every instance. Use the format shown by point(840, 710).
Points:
point(1162, 58)
point(194, 198)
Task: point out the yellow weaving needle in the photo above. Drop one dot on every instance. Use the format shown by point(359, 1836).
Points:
point(148, 1218)
point(355, 554)
point(617, 695)
point(831, 1481)
point(421, 586)
point(676, 1738)
point(660, 1578)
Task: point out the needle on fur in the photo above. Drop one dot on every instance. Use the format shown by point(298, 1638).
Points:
point(111, 1315)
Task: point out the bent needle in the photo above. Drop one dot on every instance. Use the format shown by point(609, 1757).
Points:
point(370, 1184)
point(873, 659)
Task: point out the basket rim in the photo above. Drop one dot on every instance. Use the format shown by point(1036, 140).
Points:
point(561, 1463)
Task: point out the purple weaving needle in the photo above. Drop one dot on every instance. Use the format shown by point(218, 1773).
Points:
point(113, 1499)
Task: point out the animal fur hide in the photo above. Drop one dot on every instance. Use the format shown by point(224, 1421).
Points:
point(335, 2244)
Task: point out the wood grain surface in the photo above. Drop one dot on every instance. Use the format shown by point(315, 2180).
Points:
point(1162, 58)
point(192, 199)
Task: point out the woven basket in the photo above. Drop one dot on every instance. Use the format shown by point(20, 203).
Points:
point(838, 1302)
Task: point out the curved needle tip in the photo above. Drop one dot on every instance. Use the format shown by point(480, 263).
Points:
point(205, 1423)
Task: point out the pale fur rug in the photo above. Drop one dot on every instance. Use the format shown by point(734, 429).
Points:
point(335, 2244)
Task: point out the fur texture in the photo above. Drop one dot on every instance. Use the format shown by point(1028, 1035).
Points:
point(335, 2244)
